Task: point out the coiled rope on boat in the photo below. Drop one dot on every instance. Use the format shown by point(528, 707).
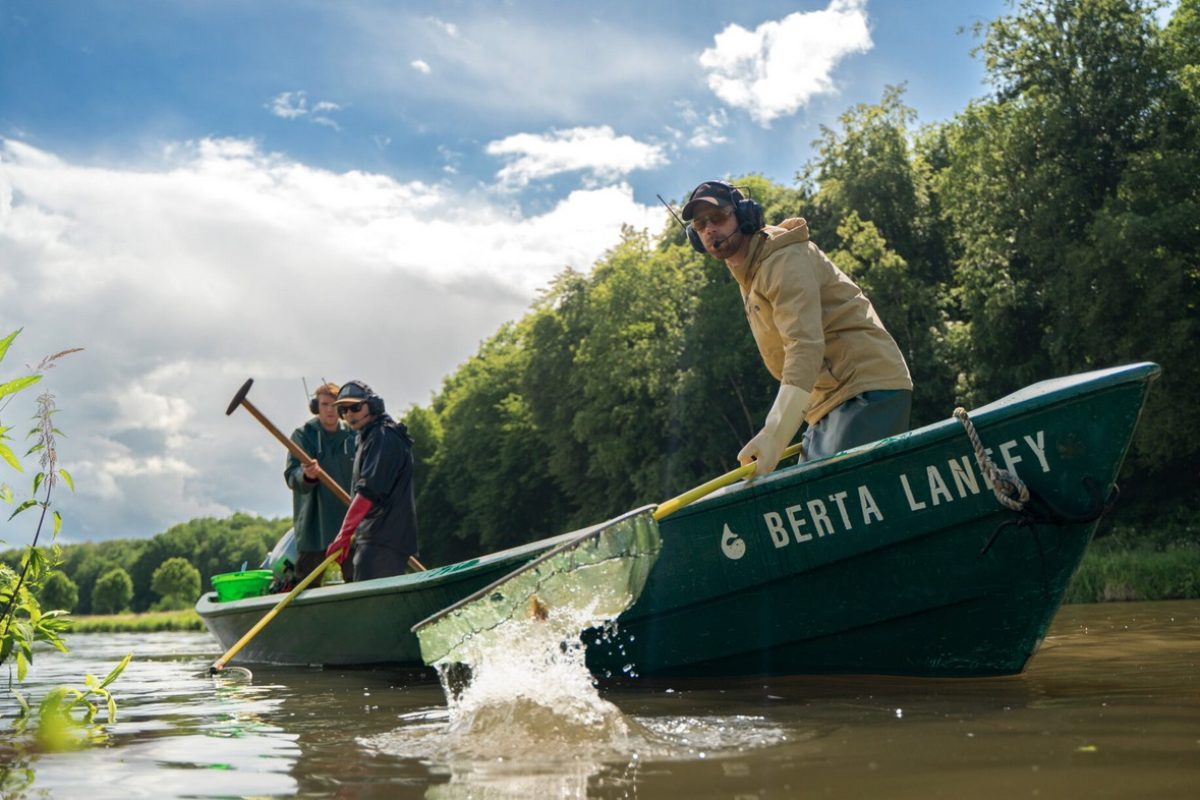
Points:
point(1009, 489)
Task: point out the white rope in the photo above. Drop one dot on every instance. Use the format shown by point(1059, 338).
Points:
point(1009, 489)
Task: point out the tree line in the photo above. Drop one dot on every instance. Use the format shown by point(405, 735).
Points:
point(1049, 228)
point(167, 571)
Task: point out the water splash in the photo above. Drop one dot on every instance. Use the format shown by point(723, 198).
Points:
point(524, 716)
point(524, 687)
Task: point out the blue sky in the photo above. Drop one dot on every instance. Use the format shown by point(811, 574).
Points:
point(201, 192)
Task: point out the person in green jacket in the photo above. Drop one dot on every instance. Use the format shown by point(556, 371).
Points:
point(317, 513)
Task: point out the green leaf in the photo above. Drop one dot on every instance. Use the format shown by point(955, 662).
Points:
point(23, 703)
point(66, 476)
point(112, 709)
point(117, 670)
point(37, 481)
point(57, 523)
point(17, 384)
point(22, 507)
point(6, 341)
point(8, 456)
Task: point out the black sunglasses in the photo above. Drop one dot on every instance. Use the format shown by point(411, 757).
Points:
point(355, 408)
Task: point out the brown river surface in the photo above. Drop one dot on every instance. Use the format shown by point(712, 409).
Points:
point(1108, 708)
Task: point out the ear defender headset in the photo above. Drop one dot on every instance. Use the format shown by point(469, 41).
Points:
point(374, 402)
point(747, 212)
point(314, 405)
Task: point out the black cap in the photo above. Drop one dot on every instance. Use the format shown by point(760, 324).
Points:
point(714, 193)
point(354, 392)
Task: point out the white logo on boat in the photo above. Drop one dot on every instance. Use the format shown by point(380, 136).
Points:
point(732, 545)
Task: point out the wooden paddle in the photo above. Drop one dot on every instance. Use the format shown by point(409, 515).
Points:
point(329, 483)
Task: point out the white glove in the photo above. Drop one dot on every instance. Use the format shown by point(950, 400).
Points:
point(783, 421)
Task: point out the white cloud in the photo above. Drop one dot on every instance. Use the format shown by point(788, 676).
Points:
point(421, 67)
point(704, 130)
point(294, 105)
point(220, 262)
point(289, 105)
point(777, 68)
point(598, 151)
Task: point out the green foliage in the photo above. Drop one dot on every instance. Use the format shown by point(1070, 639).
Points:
point(1049, 228)
point(143, 622)
point(211, 546)
point(66, 717)
point(112, 592)
point(177, 582)
point(1132, 575)
point(1073, 208)
point(59, 592)
point(25, 623)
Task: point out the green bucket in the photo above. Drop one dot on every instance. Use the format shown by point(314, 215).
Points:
point(239, 585)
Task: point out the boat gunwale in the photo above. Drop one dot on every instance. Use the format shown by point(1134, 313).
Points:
point(1031, 399)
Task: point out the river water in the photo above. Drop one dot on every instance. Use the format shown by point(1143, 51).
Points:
point(1108, 708)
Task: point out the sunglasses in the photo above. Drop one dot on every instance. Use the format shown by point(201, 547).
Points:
point(717, 217)
point(350, 409)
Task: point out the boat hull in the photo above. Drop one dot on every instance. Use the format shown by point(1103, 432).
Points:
point(892, 558)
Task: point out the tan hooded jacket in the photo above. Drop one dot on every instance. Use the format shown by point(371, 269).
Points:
point(814, 327)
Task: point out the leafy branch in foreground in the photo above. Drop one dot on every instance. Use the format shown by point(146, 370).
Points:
point(66, 716)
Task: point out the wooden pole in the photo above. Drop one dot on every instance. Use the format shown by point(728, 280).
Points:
point(329, 483)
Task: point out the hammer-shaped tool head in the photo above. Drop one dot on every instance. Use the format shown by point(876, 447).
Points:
point(239, 397)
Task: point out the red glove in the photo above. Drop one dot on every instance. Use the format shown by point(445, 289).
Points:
point(359, 507)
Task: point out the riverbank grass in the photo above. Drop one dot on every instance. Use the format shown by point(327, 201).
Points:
point(182, 620)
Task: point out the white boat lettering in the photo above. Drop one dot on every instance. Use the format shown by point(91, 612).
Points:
point(820, 518)
point(1010, 460)
point(798, 522)
point(839, 499)
point(965, 474)
point(943, 483)
point(869, 507)
point(913, 503)
point(1037, 443)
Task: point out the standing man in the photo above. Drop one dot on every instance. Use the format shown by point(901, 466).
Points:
point(317, 512)
point(838, 368)
point(382, 518)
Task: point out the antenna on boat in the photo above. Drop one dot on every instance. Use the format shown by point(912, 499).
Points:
point(682, 224)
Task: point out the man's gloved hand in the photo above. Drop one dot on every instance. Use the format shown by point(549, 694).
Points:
point(783, 421)
point(359, 507)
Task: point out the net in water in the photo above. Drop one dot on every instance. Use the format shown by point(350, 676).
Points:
point(585, 582)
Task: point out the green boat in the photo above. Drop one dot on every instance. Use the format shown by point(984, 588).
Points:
point(944, 551)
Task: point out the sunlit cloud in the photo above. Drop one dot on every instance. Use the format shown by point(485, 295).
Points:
point(217, 261)
point(421, 67)
point(598, 151)
point(778, 67)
